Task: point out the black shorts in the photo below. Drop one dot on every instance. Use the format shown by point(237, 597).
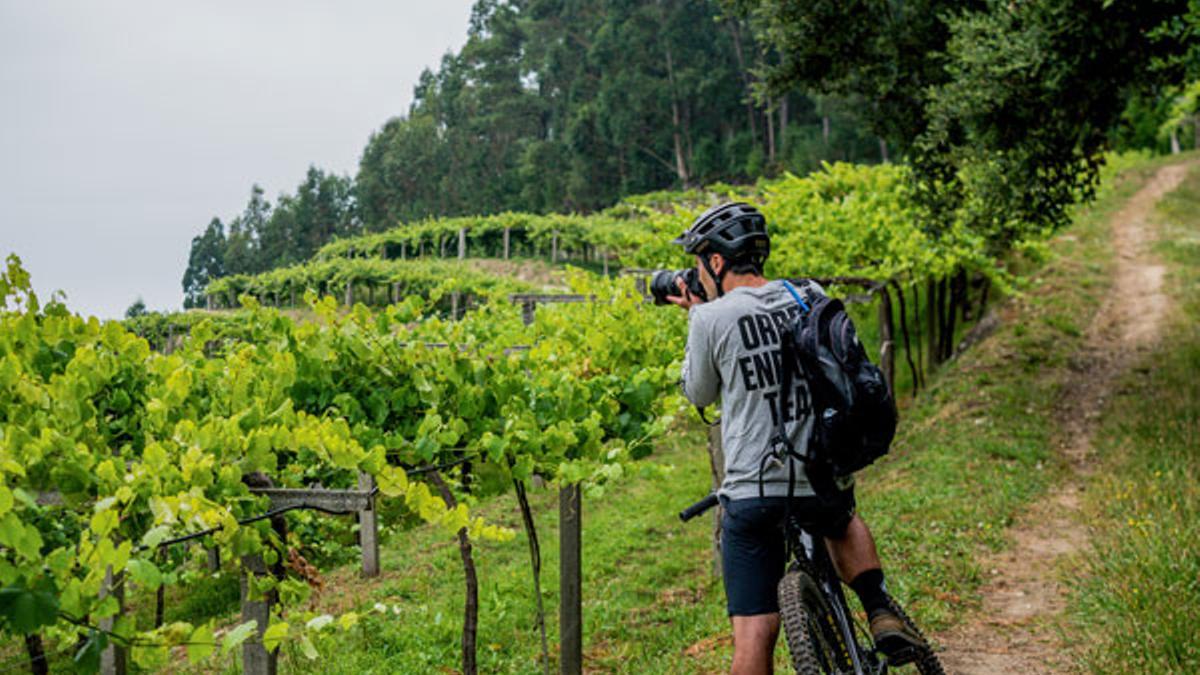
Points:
point(752, 545)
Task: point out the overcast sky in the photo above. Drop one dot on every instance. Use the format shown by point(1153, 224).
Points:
point(126, 126)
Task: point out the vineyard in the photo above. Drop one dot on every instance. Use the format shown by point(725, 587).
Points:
point(147, 461)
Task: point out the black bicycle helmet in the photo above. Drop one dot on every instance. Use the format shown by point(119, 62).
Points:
point(736, 230)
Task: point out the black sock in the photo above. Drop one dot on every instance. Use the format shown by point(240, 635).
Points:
point(871, 590)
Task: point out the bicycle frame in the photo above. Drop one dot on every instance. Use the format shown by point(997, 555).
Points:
point(806, 554)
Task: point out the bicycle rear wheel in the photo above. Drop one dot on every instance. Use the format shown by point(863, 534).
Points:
point(813, 639)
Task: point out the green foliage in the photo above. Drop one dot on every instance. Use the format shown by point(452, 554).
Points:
point(142, 446)
point(138, 308)
point(431, 281)
point(206, 262)
point(843, 220)
point(1004, 109)
point(262, 237)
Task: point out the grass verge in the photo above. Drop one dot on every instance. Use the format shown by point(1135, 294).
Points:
point(1137, 599)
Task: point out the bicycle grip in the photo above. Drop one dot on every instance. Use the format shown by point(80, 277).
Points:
point(699, 507)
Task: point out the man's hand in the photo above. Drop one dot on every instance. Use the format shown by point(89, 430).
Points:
point(685, 299)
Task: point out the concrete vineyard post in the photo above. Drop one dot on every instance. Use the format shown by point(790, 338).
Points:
point(368, 528)
point(113, 659)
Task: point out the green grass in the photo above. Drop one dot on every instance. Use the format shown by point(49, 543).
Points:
point(1138, 597)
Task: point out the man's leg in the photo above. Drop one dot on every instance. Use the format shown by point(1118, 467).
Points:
point(857, 563)
point(854, 552)
point(754, 644)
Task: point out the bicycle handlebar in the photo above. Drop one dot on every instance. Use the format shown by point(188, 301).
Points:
point(699, 507)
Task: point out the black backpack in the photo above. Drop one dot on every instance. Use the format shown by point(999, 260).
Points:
point(854, 414)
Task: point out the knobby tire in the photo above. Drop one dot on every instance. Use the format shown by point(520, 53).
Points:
point(814, 644)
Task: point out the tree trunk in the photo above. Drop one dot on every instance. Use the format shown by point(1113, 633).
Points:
point(471, 609)
point(783, 123)
point(737, 50)
point(37, 654)
point(936, 321)
point(825, 129)
point(770, 130)
point(535, 561)
point(917, 330)
point(1175, 150)
point(945, 317)
point(983, 297)
point(681, 169)
point(883, 151)
point(908, 352)
point(887, 345)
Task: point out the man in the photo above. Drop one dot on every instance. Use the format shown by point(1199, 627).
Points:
point(733, 354)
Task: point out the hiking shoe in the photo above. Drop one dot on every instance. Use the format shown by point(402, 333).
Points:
point(895, 637)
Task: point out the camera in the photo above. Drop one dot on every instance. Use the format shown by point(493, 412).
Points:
point(663, 286)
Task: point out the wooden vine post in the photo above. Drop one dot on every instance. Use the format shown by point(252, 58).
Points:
point(570, 552)
point(507, 236)
point(462, 243)
point(256, 660)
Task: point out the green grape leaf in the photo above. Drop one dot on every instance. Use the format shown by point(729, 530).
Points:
point(155, 536)
point(238, 635)
point(145, 573)
point(308, 649)
point(275, 634)
point(26, 610)
point(201, 644)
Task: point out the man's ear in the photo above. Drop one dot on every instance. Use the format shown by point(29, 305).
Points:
point(717, 262)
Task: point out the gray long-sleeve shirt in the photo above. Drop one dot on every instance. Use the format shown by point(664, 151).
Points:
point(733, 353)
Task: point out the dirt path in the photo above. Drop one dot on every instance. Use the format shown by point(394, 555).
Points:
point(1015, 630)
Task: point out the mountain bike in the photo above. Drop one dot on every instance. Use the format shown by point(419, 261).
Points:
point(822, 635)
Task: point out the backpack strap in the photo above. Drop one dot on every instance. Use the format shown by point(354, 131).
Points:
point(786, 383)
point(799, 301)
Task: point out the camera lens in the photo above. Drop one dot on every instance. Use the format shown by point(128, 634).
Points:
point(663, 285)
